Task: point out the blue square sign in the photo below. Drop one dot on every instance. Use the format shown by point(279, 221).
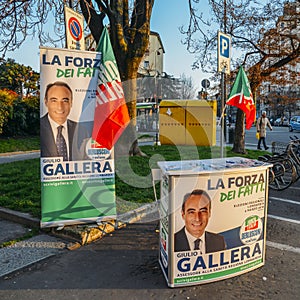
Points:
point(224, 46)
point(224, 50)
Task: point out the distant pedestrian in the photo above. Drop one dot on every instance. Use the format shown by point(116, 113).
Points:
point(261, 126)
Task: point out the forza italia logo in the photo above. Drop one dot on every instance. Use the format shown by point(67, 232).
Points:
point(251, 230)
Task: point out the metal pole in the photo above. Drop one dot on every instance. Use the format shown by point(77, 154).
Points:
point(224, 101)
point(223, 82)
point(222, 116)
point(156, 108)
point(225, 15)
point(157, 74)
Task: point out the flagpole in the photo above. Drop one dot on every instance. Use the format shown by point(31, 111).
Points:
point(222, 131)
point(223, 112)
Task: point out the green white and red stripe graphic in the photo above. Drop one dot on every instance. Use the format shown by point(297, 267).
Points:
point(111, 113)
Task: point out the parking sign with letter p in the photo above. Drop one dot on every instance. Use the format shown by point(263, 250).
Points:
point(224, 49)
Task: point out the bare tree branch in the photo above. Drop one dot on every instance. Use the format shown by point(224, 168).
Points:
point(248, 23)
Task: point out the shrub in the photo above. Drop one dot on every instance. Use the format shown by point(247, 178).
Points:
point(7, 99)
point(23, 119)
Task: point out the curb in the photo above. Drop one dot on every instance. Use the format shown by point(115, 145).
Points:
point(19, 153)
point(137, 214)
point(82, 234)
point(19, 217)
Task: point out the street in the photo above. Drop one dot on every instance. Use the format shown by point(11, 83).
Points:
point(279, 134)
point(283, 205)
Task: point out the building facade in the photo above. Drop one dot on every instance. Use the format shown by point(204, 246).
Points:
point(281, 96)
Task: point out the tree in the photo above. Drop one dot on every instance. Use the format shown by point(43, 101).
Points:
point(129, 27)
point(18, 78)
point(7, 98)
point(187, 88)
point(19, 101)
point(259, 40)
point(164, 86)
point(281, 93)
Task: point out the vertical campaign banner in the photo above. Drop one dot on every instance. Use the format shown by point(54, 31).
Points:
point(77, 178)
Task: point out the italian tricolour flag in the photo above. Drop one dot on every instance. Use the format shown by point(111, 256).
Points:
point(111, 113)
point(241, 97)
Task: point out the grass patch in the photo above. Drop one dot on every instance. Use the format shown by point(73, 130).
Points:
point(20, 186)
point(19, 144)
point(20, 181)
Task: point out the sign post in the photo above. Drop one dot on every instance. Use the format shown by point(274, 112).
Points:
point(74, 30)
point(224, 51)
point(205, 84)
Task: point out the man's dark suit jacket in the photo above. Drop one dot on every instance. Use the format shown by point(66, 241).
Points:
point(213, 242)
point(77, 140)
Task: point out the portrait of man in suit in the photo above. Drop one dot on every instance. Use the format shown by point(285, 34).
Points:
point(60, 136)
point(195, 212)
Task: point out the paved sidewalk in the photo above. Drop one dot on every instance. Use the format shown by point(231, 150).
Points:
point(15, 225)
point(124, 265)
point(26, 251)
point(17, 156)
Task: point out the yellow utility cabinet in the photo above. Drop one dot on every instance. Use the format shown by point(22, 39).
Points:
point(187, 122)
point(172, 122)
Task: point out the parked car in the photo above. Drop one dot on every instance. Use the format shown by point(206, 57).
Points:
point(294, 123)
point(272, 119)
point(281, 122)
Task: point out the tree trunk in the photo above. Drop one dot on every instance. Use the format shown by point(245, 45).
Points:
point(239, 135)
point(128, 142)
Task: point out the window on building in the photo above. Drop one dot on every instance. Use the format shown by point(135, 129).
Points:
point(146, 64)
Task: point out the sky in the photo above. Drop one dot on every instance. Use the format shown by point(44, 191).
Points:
point(167, 17)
